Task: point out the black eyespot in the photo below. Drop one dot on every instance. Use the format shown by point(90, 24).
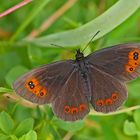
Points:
point(114, 97)
point(131, 69)
point(100, 104)
point(135, 53)
point(67, 109)
point(31, 84)
point(41, 93)
point(135, 57)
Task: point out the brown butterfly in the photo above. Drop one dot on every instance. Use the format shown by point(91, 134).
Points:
point(71, 85)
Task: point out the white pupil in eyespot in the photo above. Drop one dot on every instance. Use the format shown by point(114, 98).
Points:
point(31, 84)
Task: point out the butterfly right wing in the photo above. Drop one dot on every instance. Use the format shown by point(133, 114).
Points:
point(108, 93)
point(43, 84)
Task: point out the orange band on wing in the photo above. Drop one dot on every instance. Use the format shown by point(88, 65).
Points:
point(33, 86)
point(100, 102)
point(67, 109)
point(109, 101)
point(74, 110)
point(82, 107)
point(114, 96)
point(129, 68)
point(133, 60)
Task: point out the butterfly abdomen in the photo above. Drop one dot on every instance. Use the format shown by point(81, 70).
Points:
point(82, 67)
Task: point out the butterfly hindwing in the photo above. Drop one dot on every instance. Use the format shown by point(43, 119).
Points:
point(72, 105)
point(108, 93)
point(121, 61)
point(42, 85)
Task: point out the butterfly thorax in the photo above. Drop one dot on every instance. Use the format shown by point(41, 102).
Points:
point(81, 61)
point(79, 55)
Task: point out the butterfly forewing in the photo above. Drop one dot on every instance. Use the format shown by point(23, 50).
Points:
point(120, 61)
point(72, 103)
point(42, 85)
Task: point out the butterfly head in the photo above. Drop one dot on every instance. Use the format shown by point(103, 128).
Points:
point(79, 55)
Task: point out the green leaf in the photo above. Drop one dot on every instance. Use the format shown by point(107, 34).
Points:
point(69, 126)
point(106, 22)
point(14, 73)
point(130, 128)
point(117, 35)
point(21, 113)
point(133, 88)
point(3, 137)
point(7, 61)
point(53, 133)
point(108, 132)
point(50, 130)
point(138, 135)
point(13, 137)
point(136, 116)
point(37, 55)
point(29, 136)
point(3, 89)
point(6, 123)
point(24, 127)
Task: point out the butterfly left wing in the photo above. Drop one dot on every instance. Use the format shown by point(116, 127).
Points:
point(72, 105)
point(41, 85)
point(121, 61)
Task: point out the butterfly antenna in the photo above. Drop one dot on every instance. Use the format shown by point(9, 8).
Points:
point(58, 46)
point(90, 40)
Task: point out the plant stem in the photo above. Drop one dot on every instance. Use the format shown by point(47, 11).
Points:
point(12, 9)
point(117, 112)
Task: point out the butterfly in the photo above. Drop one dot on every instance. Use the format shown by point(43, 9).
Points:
point(70, 86)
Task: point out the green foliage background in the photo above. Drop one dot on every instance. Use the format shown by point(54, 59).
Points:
point(17, 55)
